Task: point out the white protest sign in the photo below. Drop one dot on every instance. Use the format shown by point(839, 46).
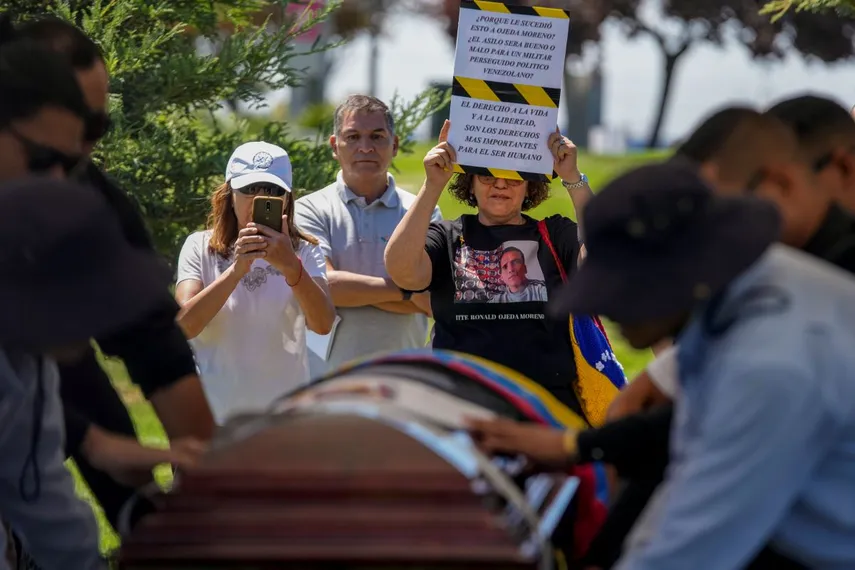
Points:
point(511, 48)
point(508, 72)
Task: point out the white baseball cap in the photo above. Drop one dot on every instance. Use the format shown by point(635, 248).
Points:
point(259, 163)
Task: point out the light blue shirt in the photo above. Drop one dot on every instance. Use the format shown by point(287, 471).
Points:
point(57, 528)
point(353, 235)
point(763, 442)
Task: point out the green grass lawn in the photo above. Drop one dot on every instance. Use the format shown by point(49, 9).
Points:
point(409, 175)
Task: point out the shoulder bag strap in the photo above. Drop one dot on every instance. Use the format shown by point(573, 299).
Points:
point(544, 233)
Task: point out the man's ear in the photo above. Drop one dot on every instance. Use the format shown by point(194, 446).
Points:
point(334, 147)
point(846, 165)
point(709, 172)
point(395, 145)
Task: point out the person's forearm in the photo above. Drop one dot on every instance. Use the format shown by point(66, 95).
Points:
point(316, 304)
point(183, 409)
point(637, 446)
point(580, 197)
point(639, 395)
point(199, 311)
point(160, 362)
point(401, 307)
point(354, 290)
point(406, 260)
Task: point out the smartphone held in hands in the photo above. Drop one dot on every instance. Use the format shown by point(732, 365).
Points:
point(267, 211)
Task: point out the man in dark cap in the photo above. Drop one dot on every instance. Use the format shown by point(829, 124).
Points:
point(767, 406)
point(66, 274)
point(774, 155)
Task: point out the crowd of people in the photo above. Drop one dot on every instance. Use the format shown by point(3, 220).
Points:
point(734, 449)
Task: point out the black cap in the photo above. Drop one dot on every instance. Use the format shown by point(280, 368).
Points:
point(659, 240)
point(66, 271)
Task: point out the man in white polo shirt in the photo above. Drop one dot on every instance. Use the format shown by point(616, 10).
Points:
point(353, 219)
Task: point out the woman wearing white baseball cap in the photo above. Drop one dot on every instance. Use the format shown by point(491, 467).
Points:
point(249, 293)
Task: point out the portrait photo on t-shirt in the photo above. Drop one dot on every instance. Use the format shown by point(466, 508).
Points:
point(509, 274)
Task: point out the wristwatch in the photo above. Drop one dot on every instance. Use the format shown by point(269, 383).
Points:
point(406, 294)
point(583, 181)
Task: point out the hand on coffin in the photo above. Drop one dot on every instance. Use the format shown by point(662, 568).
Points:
point(539, 444)
point(129, 462)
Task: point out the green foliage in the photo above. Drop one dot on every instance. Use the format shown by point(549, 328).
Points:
point(777, 8)
point(173, 64)
point(317, 116)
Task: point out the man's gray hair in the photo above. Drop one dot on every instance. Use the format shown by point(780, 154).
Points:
point(363, 104)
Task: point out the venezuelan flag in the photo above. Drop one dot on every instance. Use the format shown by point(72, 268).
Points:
point(599, 374)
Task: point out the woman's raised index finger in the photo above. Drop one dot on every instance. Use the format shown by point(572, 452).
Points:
point(443, 133)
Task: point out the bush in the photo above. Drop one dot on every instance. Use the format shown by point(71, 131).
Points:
point(173, 132)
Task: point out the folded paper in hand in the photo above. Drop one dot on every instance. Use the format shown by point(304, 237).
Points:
point(321, 344)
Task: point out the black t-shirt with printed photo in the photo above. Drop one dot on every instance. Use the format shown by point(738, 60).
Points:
point(489, 291)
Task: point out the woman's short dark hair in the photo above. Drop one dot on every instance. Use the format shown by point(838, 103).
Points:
point(33, 77)
point(461, 188)
point(62, 37)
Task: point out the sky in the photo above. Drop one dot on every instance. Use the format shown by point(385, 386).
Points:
point(416, 51)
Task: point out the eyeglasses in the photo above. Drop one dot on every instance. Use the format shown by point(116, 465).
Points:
point(491, 181)
point(41, 158)
point(98, 124)
point(261, 190)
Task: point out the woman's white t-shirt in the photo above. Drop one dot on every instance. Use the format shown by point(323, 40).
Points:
point(254, 349)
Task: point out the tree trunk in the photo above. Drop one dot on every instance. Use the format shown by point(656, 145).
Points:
point(373, 65)
point(671, 60)
point(568, 85)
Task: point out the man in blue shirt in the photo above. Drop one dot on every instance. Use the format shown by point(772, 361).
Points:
point(763, 446)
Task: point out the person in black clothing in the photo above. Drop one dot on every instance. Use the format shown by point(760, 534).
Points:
point(736, 149)
point(154, 350)
point(42, 119)
point(460, 263)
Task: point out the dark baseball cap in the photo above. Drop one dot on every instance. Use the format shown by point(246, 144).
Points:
point(67, 272)
point(659, 240)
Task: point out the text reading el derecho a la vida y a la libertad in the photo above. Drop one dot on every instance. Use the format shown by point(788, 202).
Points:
point(502, 130)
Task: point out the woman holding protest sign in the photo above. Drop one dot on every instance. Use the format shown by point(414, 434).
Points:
point(491, 274)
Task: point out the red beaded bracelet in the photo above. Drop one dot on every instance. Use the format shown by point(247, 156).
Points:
point(298, 278)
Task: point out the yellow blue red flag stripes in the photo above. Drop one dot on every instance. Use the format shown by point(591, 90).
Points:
point(530, 398)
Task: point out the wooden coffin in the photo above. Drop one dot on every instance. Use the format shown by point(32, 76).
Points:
point(349, 481)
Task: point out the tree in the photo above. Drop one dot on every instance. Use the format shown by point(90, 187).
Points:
point(678, 25)
point(682, 24)
point(780, 7)
point(172, 136)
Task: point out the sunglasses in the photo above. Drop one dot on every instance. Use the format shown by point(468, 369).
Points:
point(41, 158)
point(261, 190)
point(491, 181)
point(97, 125)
